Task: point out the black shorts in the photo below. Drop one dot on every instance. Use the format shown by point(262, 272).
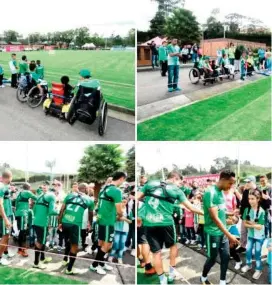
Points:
point(72, 233)
point(141, 235)
point(157, 237)
point(22, 222)
point(261, 60)
point(105, 233)
point(41, 233)
point(3, 229)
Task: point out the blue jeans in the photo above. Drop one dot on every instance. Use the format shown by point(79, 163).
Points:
point(194, 57)
point(154, 60)
point(173, 76)
point(119, 244)
point(258, 243)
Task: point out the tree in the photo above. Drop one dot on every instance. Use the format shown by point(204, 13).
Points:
point(183, 26)
point(100, 162)
point(68, 36)
point(234, 21)
point(213, 170)
point(189, 170)
point(213, 28)
point(117, 41)
point(130, 40)
point(11, 36)
point(50, 164)
point(167, 6)
point(82, 35)
point(157, 24)
point(130, 164)
point(34, 38)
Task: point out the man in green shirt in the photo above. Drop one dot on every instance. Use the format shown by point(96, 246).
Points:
point(6, 214)
point(109, 208)
point(232, 53)
point(217, 235)
point(160, 198)
point(44, 207)
point(21, 215)
point(14, 70)
point(35, 77)
point(40, 69)
point(163, 58)
point(23, 66)
point(71, 218)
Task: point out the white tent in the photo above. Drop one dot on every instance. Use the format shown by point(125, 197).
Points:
point(89, 46)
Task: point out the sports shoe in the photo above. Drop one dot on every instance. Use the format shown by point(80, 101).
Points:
point(246, 268)
point(187, 241)
point(150, 271)
point(4, 262)
point(120, 260)
point(238, 265)
point(193, 242)
point(23, 253)
point(110, 259)
point(2, 86)
point(132, 252)
point(170, 89)
point(175, 275)
point(39, 266)
point(98, 270)
point(107, 267)
point(257, 274)
point(64, 262)
point(8, 255)
point(206, 282)
point(47, 260)
point(164, 281)
point(72, 272)
point(177, 89)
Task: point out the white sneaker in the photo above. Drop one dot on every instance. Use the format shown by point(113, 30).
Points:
point(253, 73)
point(9, 255)
point(132, 252)
point(193, 242)
point(257, 274)
point(2, 86)
point(110, 259)
point(98, 270)
point(4, 262)
point(187, 241)
point(164, 281)
point(238, 265)
point(246, 268)
point(120, 260)
point(107, 267)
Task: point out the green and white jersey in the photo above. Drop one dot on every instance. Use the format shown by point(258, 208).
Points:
point(5, 194)
point(160, 201)
point(76, 204)
point(35, 76)
point(252, 215)
point(108, 197)
point(22, 202)
point(1, 70)
point(23, 67)
point(40, 71)
point(173, 60)
point(214, 197)
point(30, 218)
point(44, 207)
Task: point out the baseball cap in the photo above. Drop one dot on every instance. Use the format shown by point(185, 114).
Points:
point(250, 178)
point(85, 73)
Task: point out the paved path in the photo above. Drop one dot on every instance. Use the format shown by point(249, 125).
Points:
point(21, 123)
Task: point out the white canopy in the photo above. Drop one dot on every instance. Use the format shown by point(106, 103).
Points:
point(91, 45)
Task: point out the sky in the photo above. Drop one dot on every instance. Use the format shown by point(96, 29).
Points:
point(154, 156)
point(103, 16)
point(202, 10)
point(67, 155)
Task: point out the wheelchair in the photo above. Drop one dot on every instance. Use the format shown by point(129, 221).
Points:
point(87, 105)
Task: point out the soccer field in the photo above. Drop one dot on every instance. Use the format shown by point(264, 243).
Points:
point(240, 114)
point(114, 69)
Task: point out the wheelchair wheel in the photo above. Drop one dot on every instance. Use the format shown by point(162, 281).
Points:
point(34, 99)
point(194, 75)
point(103, 119)
point(71, 115)
point(21, 94)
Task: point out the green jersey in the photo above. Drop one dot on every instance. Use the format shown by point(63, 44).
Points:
point(30, 219)
point(90, 83)
point(162, 53)
point(1, 70)
point(44, 207)
point(35, 76)
point(39, 191)
point(108, 197)
point(23, 67)
point(159, 203)
point(22, 203)
point(259, 218)
point(40, 71)
point(213, 197)
point(5, 194)
point(76, 204)
point(185, 190)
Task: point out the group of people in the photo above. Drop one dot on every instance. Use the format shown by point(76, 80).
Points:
point(220, 218)
point(33, 69)
point(67, 223)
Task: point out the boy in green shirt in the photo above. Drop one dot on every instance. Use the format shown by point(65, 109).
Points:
point(40, 69)
point(13, 69)
point(163, 58)
point(23, 66)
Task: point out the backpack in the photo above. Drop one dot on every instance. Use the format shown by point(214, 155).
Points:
point(167, 198)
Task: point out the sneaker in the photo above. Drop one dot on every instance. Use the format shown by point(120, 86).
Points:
point(150, 271)
point(175, 276)
point(98, 270)
point(187, 242)
point(164, 281)
point(8, 255)
point(59, 248)
point(132, 252)
point(107, 267)
point(39, 266)
point(72, 272)
point(205, 282)
point(55, 247)
point(199, 247)
point(120, 260)
point(257, 274)
point(110, 259)
point(47, 260)
point(246, 268)
point(238, 265)
point(170, 89)
point(4, 262)
point(64, 262)
point(177, 89)
point(2, 86)
point(193, 242)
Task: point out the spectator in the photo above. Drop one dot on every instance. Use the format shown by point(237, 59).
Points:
point(185, 52)
point(163, 58)
point(261, 53)
point(14, 70)
point(232, 53)
point(194, 52)
point(154, 54)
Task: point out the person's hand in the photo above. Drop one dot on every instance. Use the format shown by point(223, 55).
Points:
point(60, 227)
point(129, 221)
point(139, 222)
point(236, 212)
point(258, 227)
point(7, 223)
point(233, 239)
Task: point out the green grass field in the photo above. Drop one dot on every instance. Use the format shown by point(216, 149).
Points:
point(145, 279)
point(240, 114)
point(114, 69)
point(23, 276)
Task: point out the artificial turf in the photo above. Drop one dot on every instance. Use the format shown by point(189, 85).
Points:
point(240, 114)
point(10, 275)
point(114, 69)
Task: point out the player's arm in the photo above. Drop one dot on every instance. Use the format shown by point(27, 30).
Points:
point(63, 207)
point(52, 210)
point(192, 208)
point(119, 210)
point(3, 214)
point(32, 196)
point(238, 194)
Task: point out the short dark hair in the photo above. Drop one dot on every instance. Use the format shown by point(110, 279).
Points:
point(263, 176)
point(24, 57)
point(65, 79)
point(208, 180)
point(13, 54)
point(174, 174)
point(26, 186)
point(38, 61)
point(226, 174)
point(118, 175)
point(32, 66)
point(6, 174)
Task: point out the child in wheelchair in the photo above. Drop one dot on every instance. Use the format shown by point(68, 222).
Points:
point(209, 73)
point(226, 67)
point(67, 88)
point(250, 64)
